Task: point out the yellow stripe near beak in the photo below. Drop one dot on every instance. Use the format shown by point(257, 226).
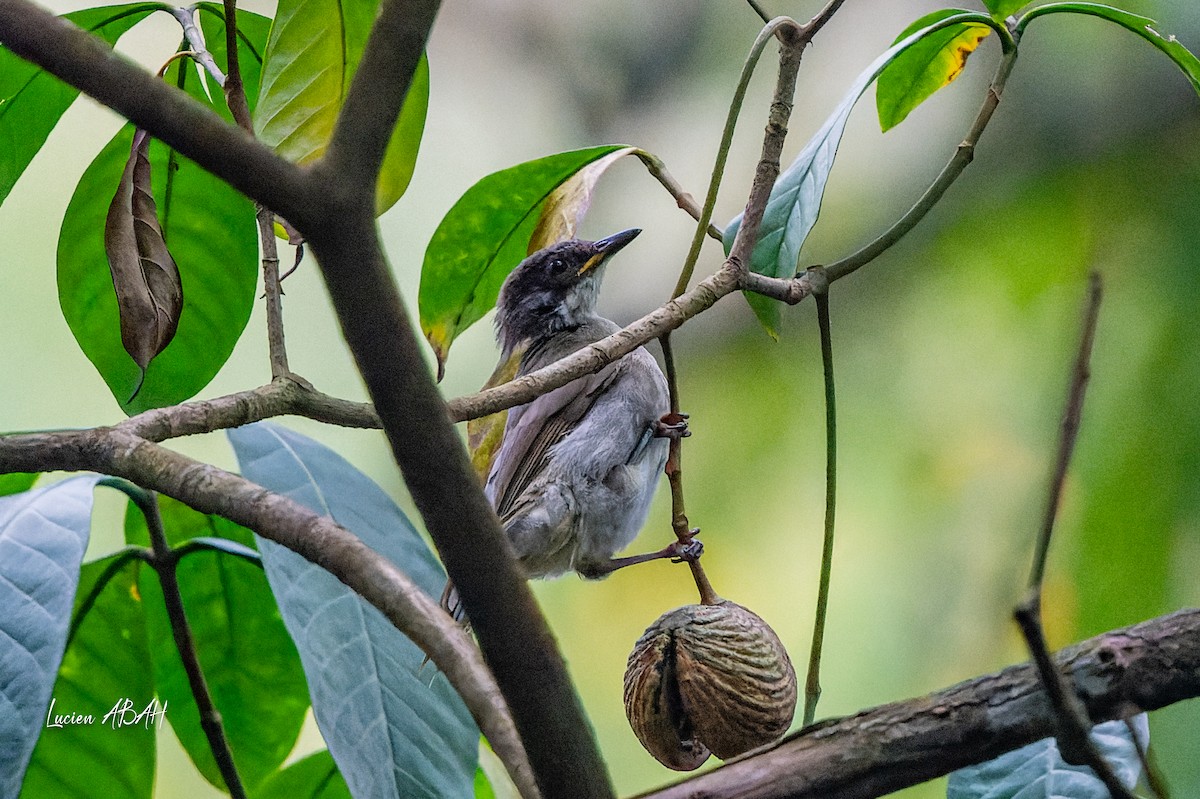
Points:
point(591, 263)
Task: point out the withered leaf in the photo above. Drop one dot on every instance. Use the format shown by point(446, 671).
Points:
point(146, 279)
point(484, 435)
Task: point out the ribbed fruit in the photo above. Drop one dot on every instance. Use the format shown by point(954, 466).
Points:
point(708, 678)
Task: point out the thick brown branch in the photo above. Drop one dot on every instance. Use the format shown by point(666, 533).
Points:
point(878, 751)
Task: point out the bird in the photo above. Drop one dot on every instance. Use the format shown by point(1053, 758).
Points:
point(577, 468)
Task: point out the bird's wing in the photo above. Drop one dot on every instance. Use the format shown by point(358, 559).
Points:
point(534, 428)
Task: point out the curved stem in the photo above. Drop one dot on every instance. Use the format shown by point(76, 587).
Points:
point(163, 563)
point(718, 170)
point(963, 156)
point(120, 558)
point(812, 685)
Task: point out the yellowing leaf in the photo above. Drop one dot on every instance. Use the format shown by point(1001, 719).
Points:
point(928, 65)
point(485, 435)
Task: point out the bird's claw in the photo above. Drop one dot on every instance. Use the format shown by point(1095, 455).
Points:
point(672, 425)
point(688, 551)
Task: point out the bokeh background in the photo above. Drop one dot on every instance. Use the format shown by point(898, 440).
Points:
point(952, 349)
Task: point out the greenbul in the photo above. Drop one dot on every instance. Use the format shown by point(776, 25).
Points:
point(575, 473)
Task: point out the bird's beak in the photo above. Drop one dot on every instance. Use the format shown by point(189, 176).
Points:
point(607, 247)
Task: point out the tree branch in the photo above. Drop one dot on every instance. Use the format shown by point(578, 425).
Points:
point(878, 751)
point(117, 452)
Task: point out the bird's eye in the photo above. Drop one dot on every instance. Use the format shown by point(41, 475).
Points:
point(556, 265)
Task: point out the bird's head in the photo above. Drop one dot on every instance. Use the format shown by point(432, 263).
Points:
point(554, 289)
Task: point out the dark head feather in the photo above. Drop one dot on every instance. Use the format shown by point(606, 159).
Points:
point(554, 289)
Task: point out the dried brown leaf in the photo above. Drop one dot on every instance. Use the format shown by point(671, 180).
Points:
point(146, 279)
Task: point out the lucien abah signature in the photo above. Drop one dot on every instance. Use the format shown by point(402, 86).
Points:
point(123, 714)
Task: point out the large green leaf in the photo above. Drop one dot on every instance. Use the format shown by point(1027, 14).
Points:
point(313, 51)
point(211, 232)
point(1142, 26)
point(313, 777)
point(483, 237)
point(926, 66)
point(106, 662)
point(43, 534)
point(249, 662)
point(795, 199)
point(393, 728)
point(32, 100)
point(1037, 771)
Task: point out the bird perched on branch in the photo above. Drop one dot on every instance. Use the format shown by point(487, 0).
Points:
point(575, 473)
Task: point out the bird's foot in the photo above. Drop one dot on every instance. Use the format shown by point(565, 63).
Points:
point(672, 425)
point(688, 550)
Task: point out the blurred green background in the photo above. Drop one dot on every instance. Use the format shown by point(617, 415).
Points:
point(952, 349)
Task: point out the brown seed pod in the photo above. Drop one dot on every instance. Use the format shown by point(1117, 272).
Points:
point(708, 678)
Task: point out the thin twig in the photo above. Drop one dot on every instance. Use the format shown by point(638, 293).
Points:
point(674, 469)
point(812, 684)
point(1069, 430)
point(1073, 723)
point(658, 170)
point(758, 10)
point(714, 184)
point(186, 17)
point(1071, 717)
point(963, 155)
point(272, 291)
point(239, 107)
point(164, 566)
point(235, 89)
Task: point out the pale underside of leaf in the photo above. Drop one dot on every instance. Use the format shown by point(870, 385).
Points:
point(564, 209)
point(145, 277)
point(795, 200)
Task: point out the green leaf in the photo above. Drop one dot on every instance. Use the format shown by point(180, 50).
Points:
point(795, 199)
point(313, 777)
point(1002, 9)
point(305, 77)
point(401, 156)
point(32, 100)
point(1038, 770)
point(482, 238)
point(393, 728)
point(1142, 26)
point(926, 66)
point(106, 662)
point(483, 786)
point(212, 234)
point(16, 482)
point(43, 535)
point(249, 662)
